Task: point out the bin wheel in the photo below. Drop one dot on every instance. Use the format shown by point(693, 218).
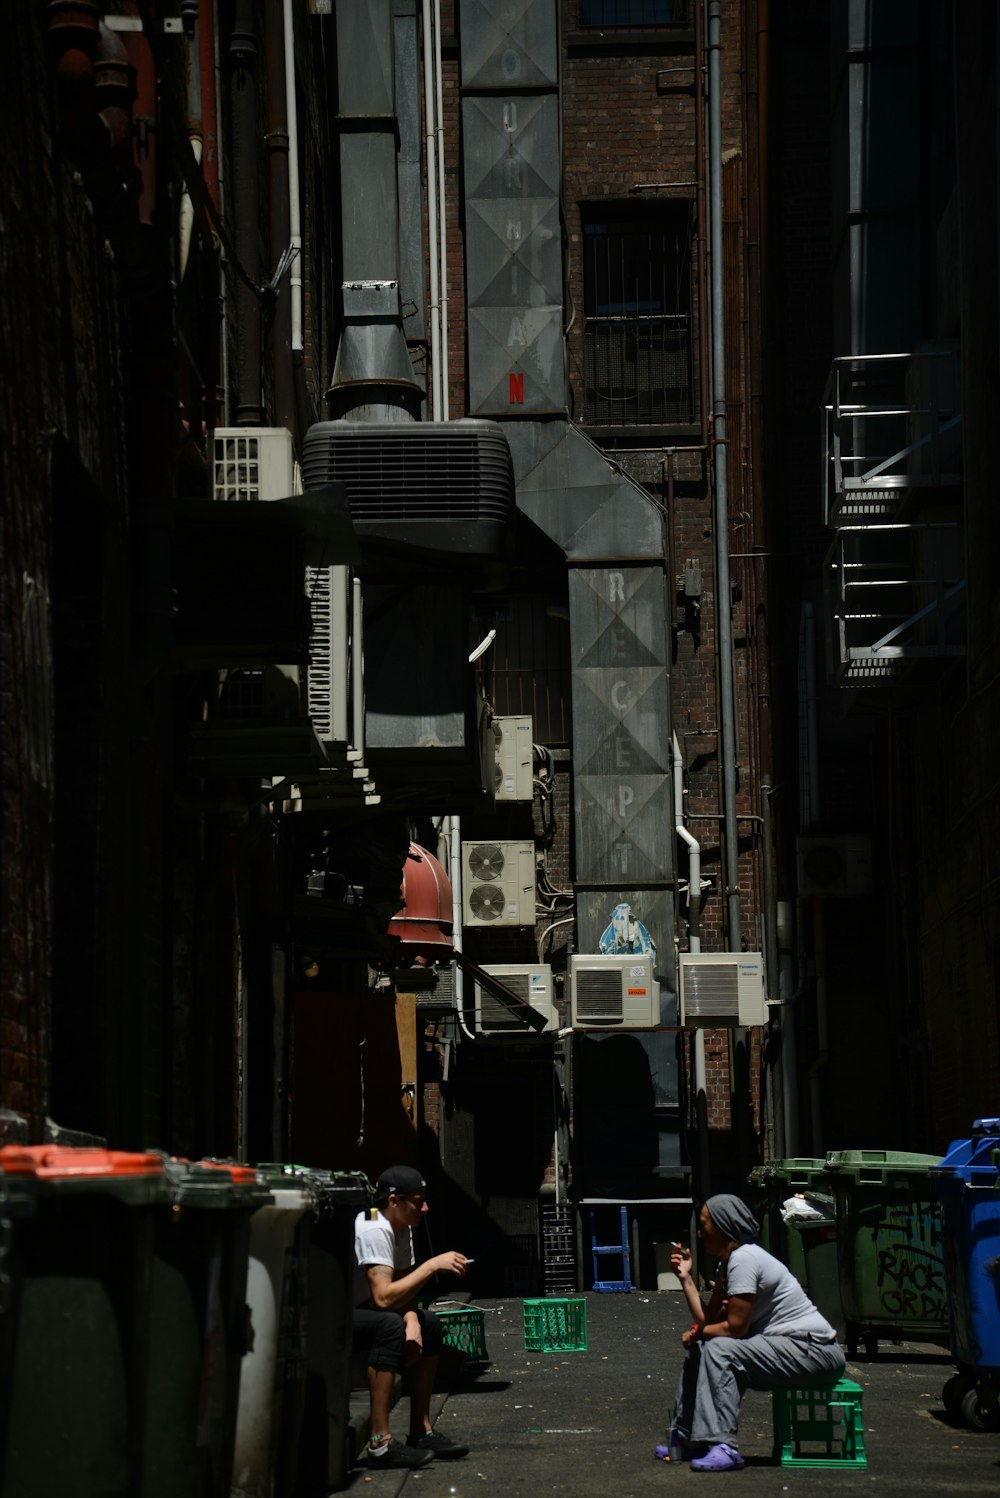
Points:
point(981, 1407)
point(955, 1390)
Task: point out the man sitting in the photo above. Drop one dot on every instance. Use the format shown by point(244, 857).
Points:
point(387, 1330)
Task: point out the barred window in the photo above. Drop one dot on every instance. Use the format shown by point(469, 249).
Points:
point(638, 339)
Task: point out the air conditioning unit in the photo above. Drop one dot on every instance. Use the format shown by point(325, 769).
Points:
point(610, 992)
point(532, 983)
point(720, 990)
point(498, 884)
point(513, 777)
point(835, 867)
point(253, 463)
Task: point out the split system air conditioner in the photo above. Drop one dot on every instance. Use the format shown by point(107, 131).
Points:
point(498, 884)
point(720, 990)
point(613, 992)
point(532, 983)
point(513, 777)
point(253, 463)
point(834, 867)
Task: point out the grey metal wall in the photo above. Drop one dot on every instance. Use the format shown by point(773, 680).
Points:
point(511, 174)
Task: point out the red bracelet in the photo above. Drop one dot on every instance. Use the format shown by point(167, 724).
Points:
point(695, 1330)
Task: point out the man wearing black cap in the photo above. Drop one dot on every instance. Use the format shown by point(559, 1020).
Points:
point(387, 1329)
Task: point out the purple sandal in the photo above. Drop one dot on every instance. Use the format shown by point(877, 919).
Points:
point(721, 1458)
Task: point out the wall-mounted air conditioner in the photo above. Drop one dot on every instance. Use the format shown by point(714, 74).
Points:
point(531, 982)
point(834, 866)
point(513, 777)
point(721, 989)
point(253, 463)
point(613, 992)
point(498, 884)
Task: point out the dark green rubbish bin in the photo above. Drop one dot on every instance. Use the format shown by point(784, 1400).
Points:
point(806, 1243)
point(82, 1225)
point(197, 1327)
point(324, 1446)
point(273, 1368)
point(890, 1253)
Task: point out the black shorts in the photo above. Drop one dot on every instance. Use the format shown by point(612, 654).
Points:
point(377, 1337)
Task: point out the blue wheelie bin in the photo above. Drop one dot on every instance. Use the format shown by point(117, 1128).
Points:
point(968, 1189)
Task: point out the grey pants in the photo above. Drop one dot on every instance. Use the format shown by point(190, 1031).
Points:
point(717, 1373)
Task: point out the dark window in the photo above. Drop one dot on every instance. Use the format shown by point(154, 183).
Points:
point(638, 344)
point(634, 12)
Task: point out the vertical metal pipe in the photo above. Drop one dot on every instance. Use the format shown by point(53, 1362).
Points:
point(723, 586)
point(442, 215)
point(357, 670)
point(294, 209)
point(701, 217)
point(433, 251)
point(278, 166)
point(244, 115)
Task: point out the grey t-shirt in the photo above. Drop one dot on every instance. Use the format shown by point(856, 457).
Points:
point(780, 1304)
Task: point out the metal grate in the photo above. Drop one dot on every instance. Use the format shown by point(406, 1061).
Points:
point(638, 339)
point(599, 995)
point(712, 990)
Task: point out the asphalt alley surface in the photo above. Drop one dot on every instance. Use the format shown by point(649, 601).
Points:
point(585, 1423)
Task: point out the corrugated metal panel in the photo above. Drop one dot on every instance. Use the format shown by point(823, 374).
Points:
point(513, 252)
point(508, 43)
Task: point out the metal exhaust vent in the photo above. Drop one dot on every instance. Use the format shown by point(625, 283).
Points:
point(443, 486)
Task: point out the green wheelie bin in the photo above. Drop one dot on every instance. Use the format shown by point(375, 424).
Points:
point(79, 1261)
point(890, 1253)
point(197, 1327)
point(324, 1445)
point(806, 1243)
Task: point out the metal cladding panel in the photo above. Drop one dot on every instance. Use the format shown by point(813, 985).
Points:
point(621, 725)
point(416, 668)
point(570, 490)
point(364, 57)
point(368, 178)
point(509, 43)
point(513, 252)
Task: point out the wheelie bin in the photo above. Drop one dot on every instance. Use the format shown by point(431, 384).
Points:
point(890, 1255)
point(197, 1327)
point(79, 1260)
point(967, 1187)
point(324, 1453)
point(807, 1244)
point(273, 1368)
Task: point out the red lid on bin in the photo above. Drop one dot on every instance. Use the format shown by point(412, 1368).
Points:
point(53, 1161)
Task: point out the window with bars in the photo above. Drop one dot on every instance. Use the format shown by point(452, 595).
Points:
point(638, 335)
point(634, 13)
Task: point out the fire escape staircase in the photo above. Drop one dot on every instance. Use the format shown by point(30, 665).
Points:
point(894, 574)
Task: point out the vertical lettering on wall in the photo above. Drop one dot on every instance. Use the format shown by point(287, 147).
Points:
point(517, 389)
point(616, 587)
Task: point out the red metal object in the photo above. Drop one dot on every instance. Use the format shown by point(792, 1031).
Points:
point(423, 923)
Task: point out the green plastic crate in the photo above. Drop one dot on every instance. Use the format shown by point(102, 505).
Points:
point(819, 1427)
point(465, 1330)
point(555, 1325)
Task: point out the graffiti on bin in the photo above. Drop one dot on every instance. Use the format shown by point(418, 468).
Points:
point(910, 1271)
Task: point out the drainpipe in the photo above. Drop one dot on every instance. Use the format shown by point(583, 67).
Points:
point(443, 216)
point(433, 250)
point(245, 122)
point(279, 160)
point(294, 200)
point(192, 85)
point(809, 814)
point(701, 219)
point(723, 587)
point(694, 945)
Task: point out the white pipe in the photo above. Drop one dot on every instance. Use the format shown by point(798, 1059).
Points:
point(442, 219)
point(693, 847)
point(694, 944)
point(454, 834)
point(294, 211)
point(432, 211)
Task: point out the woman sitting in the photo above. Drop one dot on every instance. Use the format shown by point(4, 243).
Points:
point(759, 1331)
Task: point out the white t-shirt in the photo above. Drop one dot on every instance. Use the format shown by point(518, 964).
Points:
point(376, 1243)
point(780, 1304)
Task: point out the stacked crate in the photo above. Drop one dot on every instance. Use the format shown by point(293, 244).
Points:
point(558, 1249)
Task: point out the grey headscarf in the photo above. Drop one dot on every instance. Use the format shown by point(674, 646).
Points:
point(733, 1217)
